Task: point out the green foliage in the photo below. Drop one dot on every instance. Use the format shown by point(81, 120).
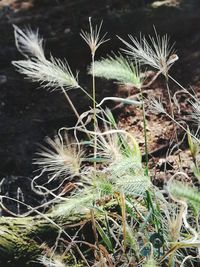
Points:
point(104, 236)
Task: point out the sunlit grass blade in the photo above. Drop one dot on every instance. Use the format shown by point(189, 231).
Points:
point(104, 236)
point(120, 100)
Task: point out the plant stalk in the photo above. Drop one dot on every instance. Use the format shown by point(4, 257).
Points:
point(123, 208)
point(145, 133)
point(74, 110)
point(94, 108)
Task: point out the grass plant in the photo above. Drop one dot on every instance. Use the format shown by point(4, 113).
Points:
point(93, 39)
point(132, 221)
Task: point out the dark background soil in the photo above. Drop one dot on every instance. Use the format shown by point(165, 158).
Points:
point(28, 114)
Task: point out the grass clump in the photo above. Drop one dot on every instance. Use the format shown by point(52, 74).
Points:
point(132, 222)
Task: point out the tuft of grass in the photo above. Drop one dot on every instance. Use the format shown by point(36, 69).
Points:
point(118, 177)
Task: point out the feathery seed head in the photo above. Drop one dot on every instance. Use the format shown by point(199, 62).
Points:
point(156, 52)
point(128, 177)
point(105, 187)
point(156, 106)
point(29, 43)
point(52, 73)
point(62, 158)
point(125, 166)
point(93, 38)
point(118, 68)
point(109, 147)
point(185, 192)
point(135, 185)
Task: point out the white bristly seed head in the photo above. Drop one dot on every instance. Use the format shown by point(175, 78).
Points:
point(29, 43)
point(156, 106)
point(51, 74)
point(155, 52)
point(109, 147)
point(92, 38)
point(61, 157)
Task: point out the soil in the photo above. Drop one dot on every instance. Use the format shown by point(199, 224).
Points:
point(29, 114)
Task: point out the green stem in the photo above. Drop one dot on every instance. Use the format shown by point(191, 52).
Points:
point(149, 198)
point(145, 133)
point(94, 108)
point(154, 212)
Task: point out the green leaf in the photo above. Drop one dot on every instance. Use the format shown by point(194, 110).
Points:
point(193, 144)
point(104, 236)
